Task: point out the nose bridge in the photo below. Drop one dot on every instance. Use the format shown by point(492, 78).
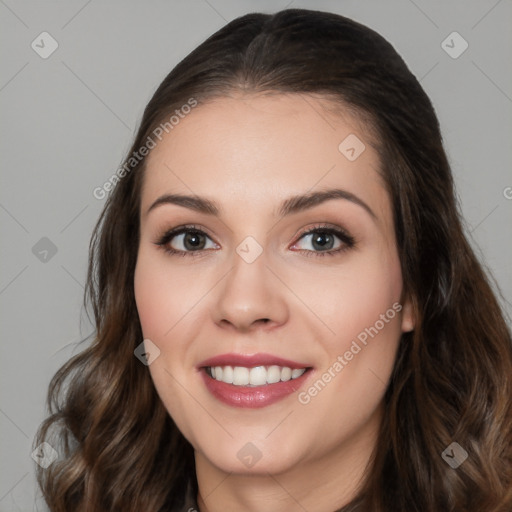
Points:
point(250, 292)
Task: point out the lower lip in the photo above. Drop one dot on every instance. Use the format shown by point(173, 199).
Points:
point(252, 397)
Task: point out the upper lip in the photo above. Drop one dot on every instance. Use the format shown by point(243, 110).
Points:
point(250, 361)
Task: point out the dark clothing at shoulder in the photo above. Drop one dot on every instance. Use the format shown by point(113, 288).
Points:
point(190, 503)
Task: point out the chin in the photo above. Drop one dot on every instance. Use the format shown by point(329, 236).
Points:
point(244, 457)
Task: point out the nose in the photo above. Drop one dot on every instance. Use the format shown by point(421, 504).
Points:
point(250, 297)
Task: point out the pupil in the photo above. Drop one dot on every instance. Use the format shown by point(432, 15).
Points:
point(322, 240)
point(192, 240)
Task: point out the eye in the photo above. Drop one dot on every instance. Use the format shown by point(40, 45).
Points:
point(185, 241)
point(193, 241)
point(322, 240)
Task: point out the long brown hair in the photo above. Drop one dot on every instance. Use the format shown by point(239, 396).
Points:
point(119, 449)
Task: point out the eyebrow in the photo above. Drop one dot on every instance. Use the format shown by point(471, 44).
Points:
point(289, 206)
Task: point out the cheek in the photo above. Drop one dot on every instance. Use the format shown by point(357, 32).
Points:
point(149, 297)
point(365, 314)
point(160, 309)
point(370, 327)
point(359, 295)
point(163, 296)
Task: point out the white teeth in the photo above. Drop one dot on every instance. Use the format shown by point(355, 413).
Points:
point(286, 374)
point(297, 373)
point(227, 375)
point(273, 374)
point(256, 376)
point(240, 376)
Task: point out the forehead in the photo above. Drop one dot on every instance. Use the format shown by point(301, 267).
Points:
point(255, 150)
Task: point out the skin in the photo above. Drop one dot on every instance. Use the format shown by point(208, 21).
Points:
point(249, 153)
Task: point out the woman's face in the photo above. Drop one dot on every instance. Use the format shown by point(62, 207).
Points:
point(274, 277)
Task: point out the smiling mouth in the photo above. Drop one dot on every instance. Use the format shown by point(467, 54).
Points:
point(253, 380)
point(255, 376)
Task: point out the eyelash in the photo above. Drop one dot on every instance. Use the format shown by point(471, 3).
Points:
point(347, 240)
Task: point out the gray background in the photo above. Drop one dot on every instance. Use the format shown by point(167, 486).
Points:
point(68, 120)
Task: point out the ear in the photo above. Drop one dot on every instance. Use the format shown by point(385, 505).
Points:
point(408, 316)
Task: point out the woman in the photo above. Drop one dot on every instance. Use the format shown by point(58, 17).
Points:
point(288, 314)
